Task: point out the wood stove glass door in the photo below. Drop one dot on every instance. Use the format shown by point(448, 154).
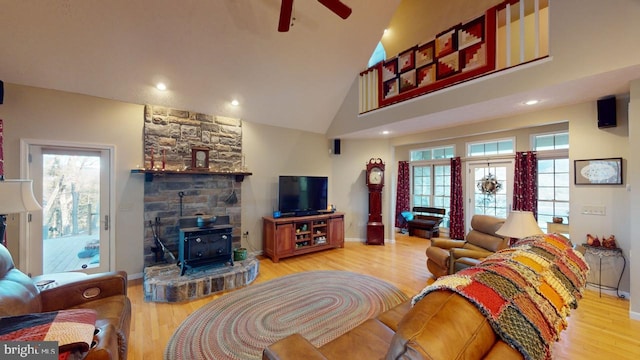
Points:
point(72, 231)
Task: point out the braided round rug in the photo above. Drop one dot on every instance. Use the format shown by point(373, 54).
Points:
point(320, 305)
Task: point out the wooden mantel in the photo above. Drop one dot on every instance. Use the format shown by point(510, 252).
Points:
point(150, 173)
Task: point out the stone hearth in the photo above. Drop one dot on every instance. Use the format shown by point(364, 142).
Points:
point(163, 283)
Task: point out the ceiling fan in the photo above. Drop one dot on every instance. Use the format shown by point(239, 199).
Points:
point(286, 9)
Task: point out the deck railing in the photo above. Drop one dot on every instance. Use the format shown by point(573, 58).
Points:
point(507, 35)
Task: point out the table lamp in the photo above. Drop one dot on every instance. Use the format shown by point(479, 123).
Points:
point(519, 224)
point(16, 196)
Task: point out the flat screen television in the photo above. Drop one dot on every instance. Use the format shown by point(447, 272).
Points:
point(302, 195)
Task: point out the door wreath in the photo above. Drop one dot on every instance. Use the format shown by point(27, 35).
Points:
point(489, 185)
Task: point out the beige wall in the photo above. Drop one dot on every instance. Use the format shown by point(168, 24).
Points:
point(419, 22)
point(270, 152)
point(587, 141)
point(39, 114)
point(349, 184)
point(633, 180)
point(34, 113)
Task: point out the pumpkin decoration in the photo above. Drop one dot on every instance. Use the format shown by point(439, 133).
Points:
point(610, 242)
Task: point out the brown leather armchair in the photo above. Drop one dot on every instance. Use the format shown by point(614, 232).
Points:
point(446, 256)
point(106, 293)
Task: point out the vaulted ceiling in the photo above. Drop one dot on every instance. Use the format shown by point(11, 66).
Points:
point(207, 53)
point(210, 52)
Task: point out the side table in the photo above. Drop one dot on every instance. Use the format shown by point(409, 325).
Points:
point(612, 258)
point(558, 228)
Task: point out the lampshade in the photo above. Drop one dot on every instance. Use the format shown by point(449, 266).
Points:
point(16, 196)
point(519, 224)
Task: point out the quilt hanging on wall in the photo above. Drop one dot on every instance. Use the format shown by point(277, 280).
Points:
point(457, 54)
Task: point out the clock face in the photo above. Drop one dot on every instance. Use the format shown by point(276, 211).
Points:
point(200, 158)
point(375, 176)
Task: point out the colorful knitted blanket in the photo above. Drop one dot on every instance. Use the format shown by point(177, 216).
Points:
point(525, 291)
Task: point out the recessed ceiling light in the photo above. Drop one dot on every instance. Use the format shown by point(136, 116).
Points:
point(235, 102)
point(385, 32)
point(531, 102)
point(161, 86)
point(385, 132)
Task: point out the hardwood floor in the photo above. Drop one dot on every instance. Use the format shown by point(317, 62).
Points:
point(598, 328)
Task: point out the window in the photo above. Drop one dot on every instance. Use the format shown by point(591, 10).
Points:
point(553, 176)
point(379, 54)
point(431, 178)
point(445, 152)
point(555, 141)
point(494, 147)
point(432, 187)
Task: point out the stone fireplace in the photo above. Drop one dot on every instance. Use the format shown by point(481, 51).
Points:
point(174, 189)
point(170, 197)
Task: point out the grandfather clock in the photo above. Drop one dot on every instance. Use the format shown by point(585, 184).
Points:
point(375, 182)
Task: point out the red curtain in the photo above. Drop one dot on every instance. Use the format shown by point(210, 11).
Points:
point(402, 192)
point(525, 184)
point(456, 214)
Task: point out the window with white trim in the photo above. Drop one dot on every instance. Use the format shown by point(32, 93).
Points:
point(431, 179)
point(553, 176)
point(551, 141)
point(434, 153)
point(493, 147)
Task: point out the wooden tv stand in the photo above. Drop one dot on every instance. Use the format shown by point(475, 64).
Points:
point(291, 236)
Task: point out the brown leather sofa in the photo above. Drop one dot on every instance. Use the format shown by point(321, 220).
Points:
point(443, 325)
point(446, 256)
point(105, 293)
point(445, 321)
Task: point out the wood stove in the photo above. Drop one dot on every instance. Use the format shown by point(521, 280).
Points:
point(206, 245)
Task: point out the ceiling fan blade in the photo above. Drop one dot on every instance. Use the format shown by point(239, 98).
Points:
point(286, 8)
point(337, 7)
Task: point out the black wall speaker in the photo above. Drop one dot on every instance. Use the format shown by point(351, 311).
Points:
point(607, 112)
point(1, 92)
point(336, 146)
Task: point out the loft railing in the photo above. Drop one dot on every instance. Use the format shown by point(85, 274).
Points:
point(507, 35)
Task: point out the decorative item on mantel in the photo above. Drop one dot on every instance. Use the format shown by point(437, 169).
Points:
point(200, 165)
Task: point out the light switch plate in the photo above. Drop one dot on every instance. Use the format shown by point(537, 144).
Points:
point(594, 210)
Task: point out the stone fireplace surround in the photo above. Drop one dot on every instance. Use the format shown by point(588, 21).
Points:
point(169, 135)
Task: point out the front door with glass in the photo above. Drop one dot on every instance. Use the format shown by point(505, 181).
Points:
point(490, 189)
